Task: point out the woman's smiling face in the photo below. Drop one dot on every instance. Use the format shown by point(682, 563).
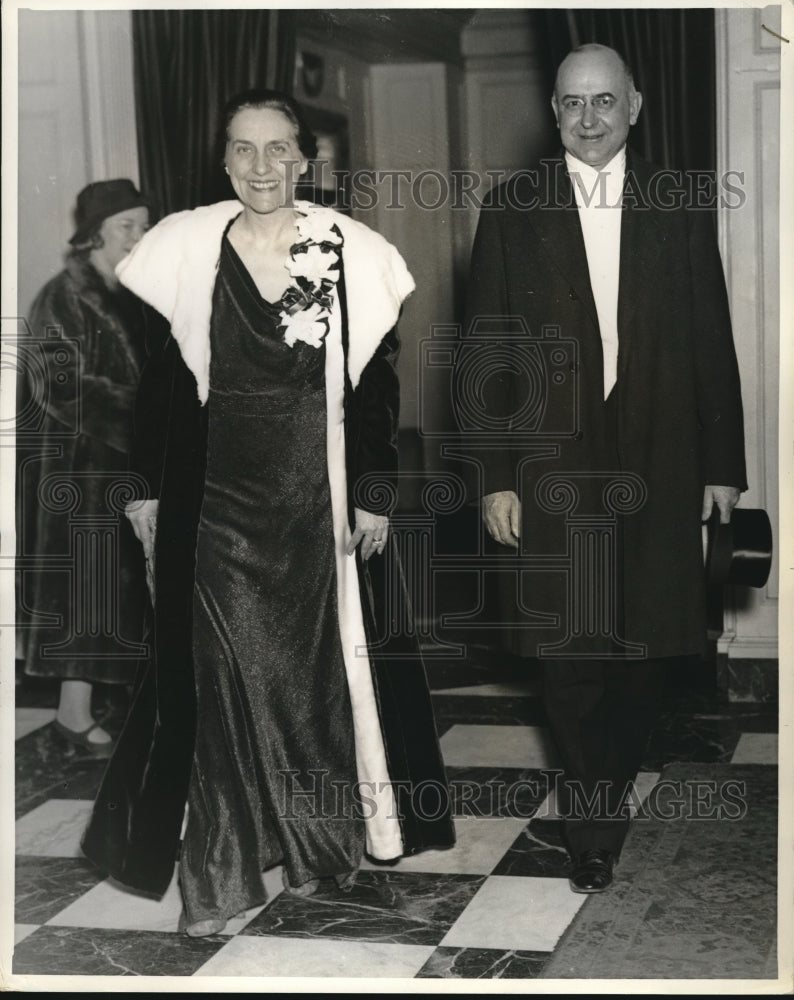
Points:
point(263, 159)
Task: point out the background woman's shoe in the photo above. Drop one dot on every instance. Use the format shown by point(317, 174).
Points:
point(81, 738)
point(592, 871)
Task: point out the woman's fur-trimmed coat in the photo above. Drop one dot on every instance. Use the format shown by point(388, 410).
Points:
point(79, 374)
point(134, 831)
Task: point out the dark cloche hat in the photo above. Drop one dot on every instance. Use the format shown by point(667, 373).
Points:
point(100, 200)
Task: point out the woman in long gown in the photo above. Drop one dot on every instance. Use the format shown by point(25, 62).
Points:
point(282, 317)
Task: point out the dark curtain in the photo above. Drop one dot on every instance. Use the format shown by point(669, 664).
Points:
point(188, 63)
point(671, 54)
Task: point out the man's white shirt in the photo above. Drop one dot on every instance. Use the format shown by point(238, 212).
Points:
point(599, 196)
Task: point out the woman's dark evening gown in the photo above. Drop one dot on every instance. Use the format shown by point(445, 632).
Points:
point(274, 743)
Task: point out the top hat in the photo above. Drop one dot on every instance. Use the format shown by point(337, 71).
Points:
point(739, 552)
point(100, 200)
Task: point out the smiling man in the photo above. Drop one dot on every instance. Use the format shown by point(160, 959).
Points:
point(595, 101)
point(621, 429)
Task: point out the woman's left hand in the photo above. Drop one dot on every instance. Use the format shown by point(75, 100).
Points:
point(371, 530)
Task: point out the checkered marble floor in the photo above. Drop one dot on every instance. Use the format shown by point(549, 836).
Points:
point(494, 906)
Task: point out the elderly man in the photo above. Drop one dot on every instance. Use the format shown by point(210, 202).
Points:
point(622, 418)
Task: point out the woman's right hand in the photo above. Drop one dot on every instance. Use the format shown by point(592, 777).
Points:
point(142, 516)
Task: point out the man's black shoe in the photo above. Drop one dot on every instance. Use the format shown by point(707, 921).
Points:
point(592, 871)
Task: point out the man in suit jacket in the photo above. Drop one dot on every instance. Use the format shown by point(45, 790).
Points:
point(621, 428)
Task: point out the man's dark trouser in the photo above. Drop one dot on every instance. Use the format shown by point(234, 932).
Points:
point(601, 713)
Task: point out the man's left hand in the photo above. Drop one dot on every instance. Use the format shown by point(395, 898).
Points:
point(725, 497)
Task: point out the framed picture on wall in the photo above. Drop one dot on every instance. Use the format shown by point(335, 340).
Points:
point(324, 182)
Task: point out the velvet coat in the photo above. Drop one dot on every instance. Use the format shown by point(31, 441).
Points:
point(77, 397)
point(135, 827)
point(677, 414)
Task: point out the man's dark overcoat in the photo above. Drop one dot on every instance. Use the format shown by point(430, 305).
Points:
point(676, 412)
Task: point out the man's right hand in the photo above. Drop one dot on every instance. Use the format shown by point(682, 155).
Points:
point(501, 513)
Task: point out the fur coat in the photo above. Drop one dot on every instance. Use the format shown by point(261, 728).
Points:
point(135, 827)
point(81, 362)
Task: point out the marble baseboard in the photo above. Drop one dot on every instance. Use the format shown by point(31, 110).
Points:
point(742, 680)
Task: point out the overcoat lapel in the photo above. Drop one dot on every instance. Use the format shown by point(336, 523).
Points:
point(642, 238)
point(556, 223)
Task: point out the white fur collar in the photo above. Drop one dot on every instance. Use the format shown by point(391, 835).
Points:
point(173, 268)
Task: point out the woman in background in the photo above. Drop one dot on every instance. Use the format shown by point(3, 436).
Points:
point(267, 433)
point(91, 332)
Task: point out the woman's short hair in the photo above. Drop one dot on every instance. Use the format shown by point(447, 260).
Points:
point(261, 98)
point(91, 241)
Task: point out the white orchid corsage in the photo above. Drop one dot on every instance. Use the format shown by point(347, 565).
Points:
point(314, 265)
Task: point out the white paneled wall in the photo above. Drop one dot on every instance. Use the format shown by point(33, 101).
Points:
point(76, 125)
point(748, 87)
point(409, 128)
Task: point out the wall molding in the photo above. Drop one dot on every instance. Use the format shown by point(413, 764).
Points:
point(748, 139)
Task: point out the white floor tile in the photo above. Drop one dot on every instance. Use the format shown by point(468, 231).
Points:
point(27, 720)
point(21, 931)
point(644, 782)
point(512, 689)
point(110, 906)
point(498, 746)
point(299, 957)
point(480, 845)
point(756, 748)
point(511, 913)
point(53, 829)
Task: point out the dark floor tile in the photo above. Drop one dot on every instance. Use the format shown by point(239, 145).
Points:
point(45, 886)
point(49, 767)
point(539, 852)
point(498, 791)
point(704, 732)
point(482, 963)
point(745, 718)
point(398, 908)
point(82, 951)
point(702, 715)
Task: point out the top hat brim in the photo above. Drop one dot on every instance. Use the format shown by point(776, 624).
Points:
point(739, 552)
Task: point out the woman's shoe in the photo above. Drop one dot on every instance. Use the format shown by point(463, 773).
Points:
point(307, 889)
point(201, 928)
point(81, 738)
point(346, 880)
